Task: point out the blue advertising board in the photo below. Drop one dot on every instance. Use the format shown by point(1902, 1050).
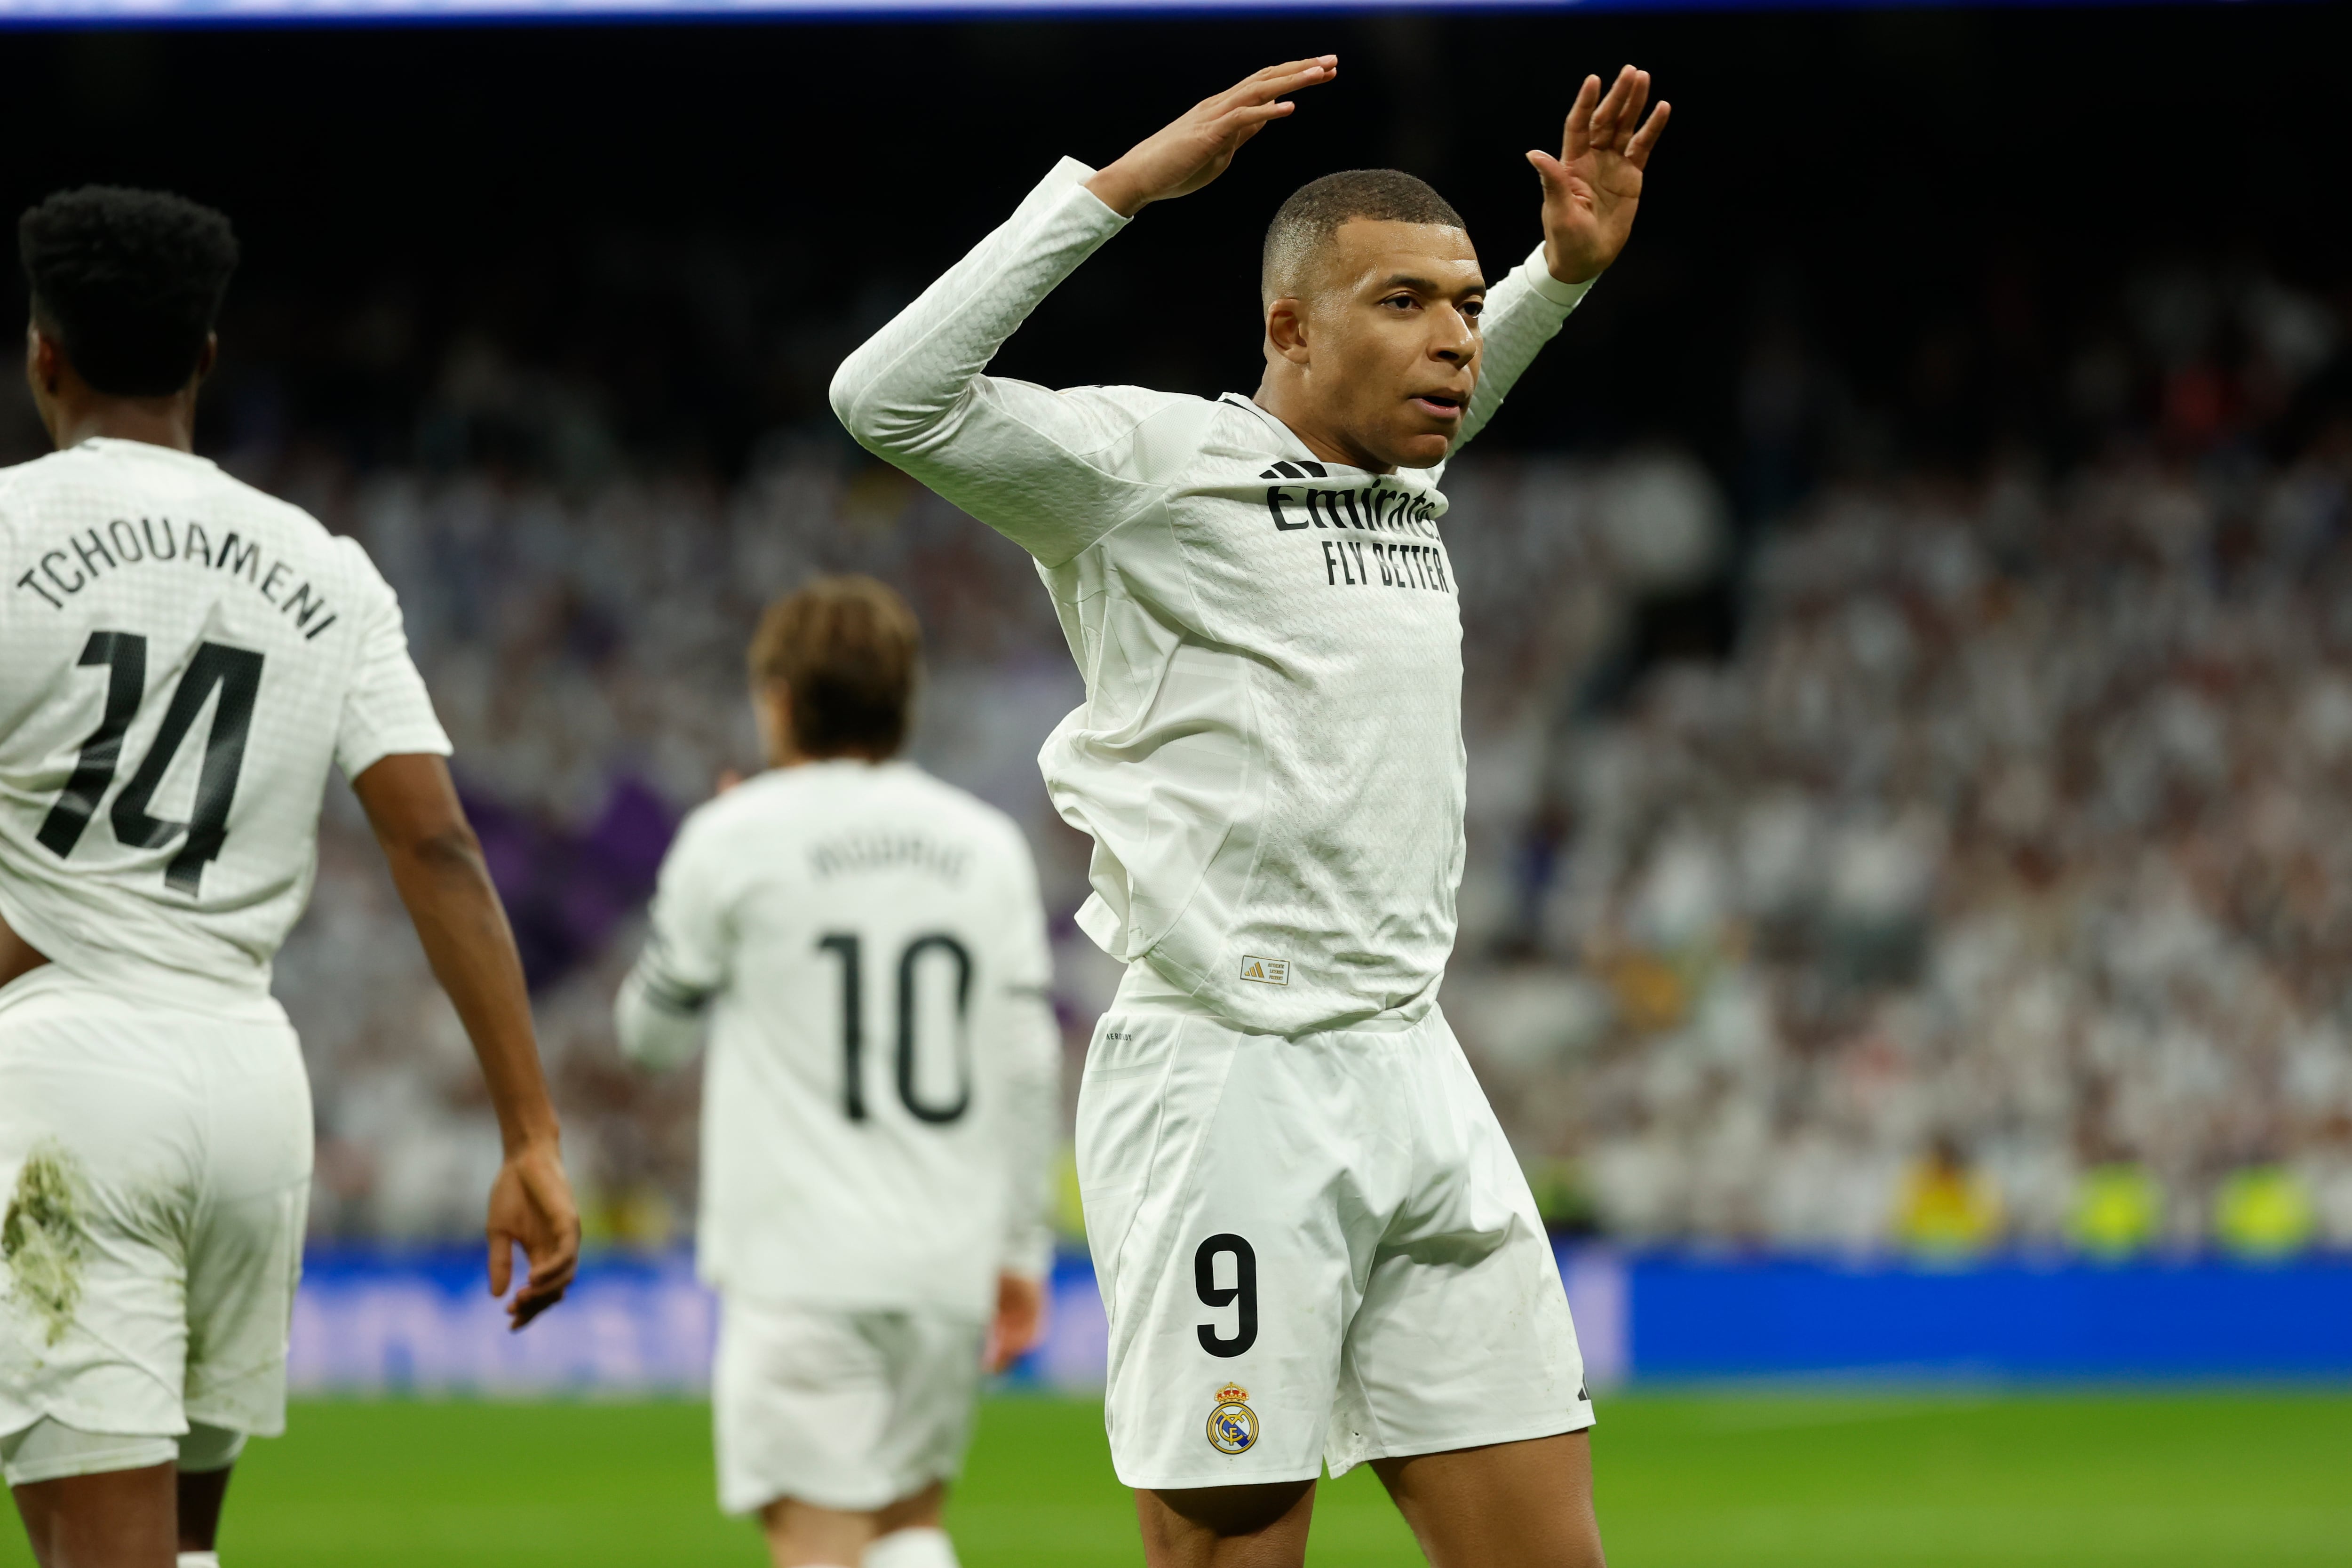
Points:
point(2006, 1321)
point(374, 1321)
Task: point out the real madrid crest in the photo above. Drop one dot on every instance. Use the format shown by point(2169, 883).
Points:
point(1233, 1424)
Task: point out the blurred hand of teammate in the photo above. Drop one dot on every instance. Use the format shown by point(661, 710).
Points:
point(531, 1207)
point(1019, 1319)
point(1194, 149)
point(1592, 189)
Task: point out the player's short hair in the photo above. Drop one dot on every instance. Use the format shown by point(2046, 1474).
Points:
point(848, 649)
point(1306, 222)
point(127, 283)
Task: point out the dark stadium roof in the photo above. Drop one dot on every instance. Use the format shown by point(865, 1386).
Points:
point(233, 13)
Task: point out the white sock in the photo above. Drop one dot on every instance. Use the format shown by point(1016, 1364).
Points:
point(199, 1559)
point(919, 1548)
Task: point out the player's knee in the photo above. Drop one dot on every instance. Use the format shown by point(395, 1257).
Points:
point(207, 1449)
point(924, 1546)
point(1233, 1511)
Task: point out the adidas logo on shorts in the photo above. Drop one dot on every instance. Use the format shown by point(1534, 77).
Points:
point(1267, 971)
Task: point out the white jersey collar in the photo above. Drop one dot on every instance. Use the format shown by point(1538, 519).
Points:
point(119, 447)
point(1416, 481)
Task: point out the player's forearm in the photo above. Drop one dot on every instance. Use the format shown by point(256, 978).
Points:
point(1032, 1097)
point(905, 389)
point(436, 865)
point(1524, 311)
point(463, 928)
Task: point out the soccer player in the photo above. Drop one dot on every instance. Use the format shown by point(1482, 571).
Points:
point(879, 1106)
point(1314, 1243)
point(182, 660)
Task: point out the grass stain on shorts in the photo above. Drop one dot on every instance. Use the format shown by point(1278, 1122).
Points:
point(41, 1237)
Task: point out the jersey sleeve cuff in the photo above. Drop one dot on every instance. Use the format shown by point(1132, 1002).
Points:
point(1069, 179)
point(1030, 1255)
point(357, 760)
point(1537, 273)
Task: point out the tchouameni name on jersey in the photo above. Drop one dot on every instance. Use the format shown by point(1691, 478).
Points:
point(74, 561)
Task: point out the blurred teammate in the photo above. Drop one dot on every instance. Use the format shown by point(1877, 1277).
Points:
point(182, 660)
point(881, 1102)
point(1314, 1243)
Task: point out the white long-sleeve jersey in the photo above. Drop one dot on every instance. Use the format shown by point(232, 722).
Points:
point(882, 1094)
point(182, 660)
point(1269, 760)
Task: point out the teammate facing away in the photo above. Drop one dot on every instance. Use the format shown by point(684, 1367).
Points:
point(1314, 1243)
point(182, 660)
point(881, 1102)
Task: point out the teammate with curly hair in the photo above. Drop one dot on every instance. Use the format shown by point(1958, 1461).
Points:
point(182, 660)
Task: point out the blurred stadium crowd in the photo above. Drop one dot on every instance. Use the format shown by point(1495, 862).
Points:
point(1867, 849)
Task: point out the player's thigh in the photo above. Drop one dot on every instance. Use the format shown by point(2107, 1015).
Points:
point(1464, 1337)
point(1223, 1177)
point(933, 1360)
point(1226, 1527)
point(245, 1251)
point(1527, 1504)
point(116, 1518)
point(100, 1169)
point(801, 1403)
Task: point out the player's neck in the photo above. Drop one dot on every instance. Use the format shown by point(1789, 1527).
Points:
point(788, 757)
point(158, 421)
point(1327, 447)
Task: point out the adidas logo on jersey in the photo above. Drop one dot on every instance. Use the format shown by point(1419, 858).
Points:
point(1267, 971)
point(1299, 470)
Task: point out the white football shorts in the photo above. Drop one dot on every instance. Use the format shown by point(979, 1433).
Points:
point(841, 1409)
point(1313, 1250)
point(155, 1172)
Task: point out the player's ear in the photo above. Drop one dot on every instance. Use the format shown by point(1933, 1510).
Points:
point(206, 359)
point(1286, 328)
point(40, 359)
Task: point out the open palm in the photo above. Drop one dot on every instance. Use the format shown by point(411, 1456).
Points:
point(1592, 189)
point(1195, 148)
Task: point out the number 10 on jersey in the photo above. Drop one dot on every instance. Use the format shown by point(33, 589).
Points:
point(936, 947)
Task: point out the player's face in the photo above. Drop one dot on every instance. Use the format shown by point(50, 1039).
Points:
point(1393, 339)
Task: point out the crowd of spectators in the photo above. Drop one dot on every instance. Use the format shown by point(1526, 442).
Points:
point(1995, 889)
point(2003, 878)
point(1987, 882)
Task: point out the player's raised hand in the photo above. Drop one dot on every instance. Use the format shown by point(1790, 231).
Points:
point(1592, 188)
point(531, 1207)
point(1187, 154)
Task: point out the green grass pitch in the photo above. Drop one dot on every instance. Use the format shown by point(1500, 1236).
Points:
point(1685, 1481)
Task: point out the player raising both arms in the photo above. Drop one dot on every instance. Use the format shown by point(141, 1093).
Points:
point(1313, 1240)
point(182, 660)
point(879, 1111)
